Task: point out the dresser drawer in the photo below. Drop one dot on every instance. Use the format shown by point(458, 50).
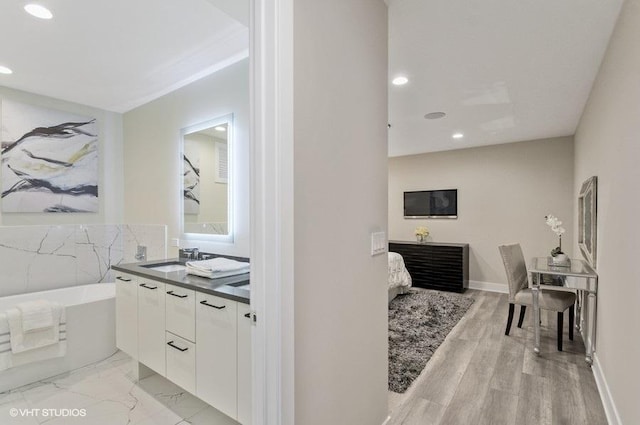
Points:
point(181, 311)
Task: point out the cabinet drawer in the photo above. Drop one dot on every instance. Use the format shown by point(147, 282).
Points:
point(151, 325)
point(127, 314)
point(216, 353)
point(181, 362)
point(181, 311)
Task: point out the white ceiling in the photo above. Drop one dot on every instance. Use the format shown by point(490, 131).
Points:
point(118, 54)
point(503, 70)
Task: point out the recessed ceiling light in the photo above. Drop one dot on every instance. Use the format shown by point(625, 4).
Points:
point(220, 128)
point(435, 115)
point(38, 11)
point(457, 135)
point(5, 70)
point(400, 81)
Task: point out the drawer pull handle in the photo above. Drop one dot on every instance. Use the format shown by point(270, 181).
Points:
point(144, 285)
point(176, 295)
point(248, 315)
point(211, 305)
point(124, 279)
point(170, 344)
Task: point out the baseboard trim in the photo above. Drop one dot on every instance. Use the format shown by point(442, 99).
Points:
point(489, 286)
point(605, 395)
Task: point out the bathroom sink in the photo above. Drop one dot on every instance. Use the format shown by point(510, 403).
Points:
point(241, 285)
point(167, 268)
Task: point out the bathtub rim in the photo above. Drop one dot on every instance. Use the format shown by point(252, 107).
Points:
point(107, 290)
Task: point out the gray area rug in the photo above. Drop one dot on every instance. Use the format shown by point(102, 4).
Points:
point(418, 323)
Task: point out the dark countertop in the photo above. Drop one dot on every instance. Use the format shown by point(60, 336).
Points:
point(225, 287)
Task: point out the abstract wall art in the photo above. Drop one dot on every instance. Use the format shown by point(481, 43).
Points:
point(49, 160)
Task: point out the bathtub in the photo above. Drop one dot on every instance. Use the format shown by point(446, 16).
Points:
point(91, 331)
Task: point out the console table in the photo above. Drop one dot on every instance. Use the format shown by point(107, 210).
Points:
point(585, 281)
point(443, 266)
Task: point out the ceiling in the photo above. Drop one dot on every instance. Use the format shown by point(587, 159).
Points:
point(502, 70)
point(119, 54)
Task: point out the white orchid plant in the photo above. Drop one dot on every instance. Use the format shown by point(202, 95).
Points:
point(556, 227)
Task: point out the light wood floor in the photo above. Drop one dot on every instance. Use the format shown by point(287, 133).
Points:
point(480, 376)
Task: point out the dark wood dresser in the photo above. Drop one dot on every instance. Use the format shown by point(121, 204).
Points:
point(433, 265)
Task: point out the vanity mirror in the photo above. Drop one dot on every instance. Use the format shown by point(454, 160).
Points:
point(206, 177)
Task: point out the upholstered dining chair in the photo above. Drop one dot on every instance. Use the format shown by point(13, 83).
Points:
point(519, 292)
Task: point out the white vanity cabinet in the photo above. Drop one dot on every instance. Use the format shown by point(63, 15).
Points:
point(151, 325)
point(244, 364)
point(199, 341)
point(217, 353)
point(127, 314)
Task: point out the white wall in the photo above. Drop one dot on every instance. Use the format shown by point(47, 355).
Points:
point(152, 153)
point(504, 192)
point(110, 182)
point(607, 146)
point(340, 197)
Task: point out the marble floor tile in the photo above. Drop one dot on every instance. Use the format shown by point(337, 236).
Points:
point(104, 394)
point(10, 413)
point(171, 396)
point(209, 416)
point(163, 417)
point(9, 402)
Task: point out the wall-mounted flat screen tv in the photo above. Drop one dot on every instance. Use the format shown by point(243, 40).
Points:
point(431, 204)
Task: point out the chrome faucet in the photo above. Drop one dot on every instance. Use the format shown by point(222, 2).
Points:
point(141, 253)
point(190, 253)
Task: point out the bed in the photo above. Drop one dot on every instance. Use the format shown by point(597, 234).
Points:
point(399, 278)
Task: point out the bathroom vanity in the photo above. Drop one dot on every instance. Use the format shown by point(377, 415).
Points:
point(194, 331)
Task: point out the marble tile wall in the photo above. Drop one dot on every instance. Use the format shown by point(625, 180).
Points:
point(38, 258)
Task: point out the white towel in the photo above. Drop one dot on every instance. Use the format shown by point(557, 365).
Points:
point(216, 268)
point(21, 341)
point(8, 359)
point(36, 315)
point(217, 275)
point(219, 265)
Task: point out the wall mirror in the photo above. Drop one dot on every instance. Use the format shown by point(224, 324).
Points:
point(587, 219)
point(206, 177)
